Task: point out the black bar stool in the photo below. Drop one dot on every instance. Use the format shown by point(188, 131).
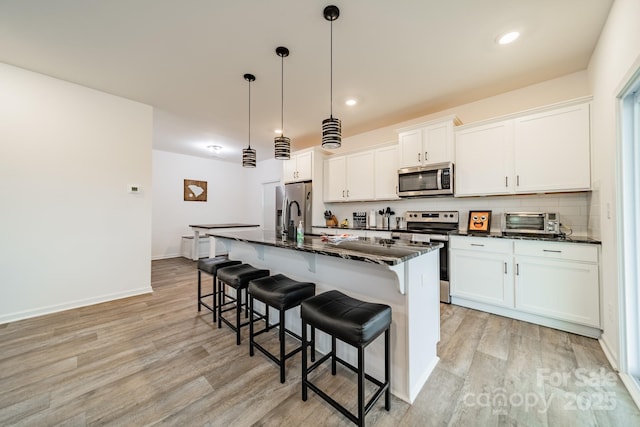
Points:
point(210, 266)
point(356, 323)
point(237, 277)
point(281, 293)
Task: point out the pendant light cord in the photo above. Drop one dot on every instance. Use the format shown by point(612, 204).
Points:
point(282, 96)
point(249, 114)
point(331, 79)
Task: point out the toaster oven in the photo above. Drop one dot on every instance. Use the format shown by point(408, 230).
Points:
point(545, 223)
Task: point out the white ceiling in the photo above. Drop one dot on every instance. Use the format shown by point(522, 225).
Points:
point(401, 59)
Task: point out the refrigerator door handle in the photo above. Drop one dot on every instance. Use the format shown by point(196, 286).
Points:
point(285, 213)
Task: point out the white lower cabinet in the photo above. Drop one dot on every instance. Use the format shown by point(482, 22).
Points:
point(481, 270)
point(558, 280)
point(550, 283)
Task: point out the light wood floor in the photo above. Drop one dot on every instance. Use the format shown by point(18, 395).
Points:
point(153, 359)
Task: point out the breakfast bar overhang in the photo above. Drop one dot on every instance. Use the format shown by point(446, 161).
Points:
point(403, 276)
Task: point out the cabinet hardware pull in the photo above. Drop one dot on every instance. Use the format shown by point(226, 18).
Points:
point(505, 268)
point(517, 269)
point(343, 193)
point(518, 180)
point(347, 193)
point(506, 181)
point(476, 244)
point(426, 156)
point(418, 157)
point(550, 250)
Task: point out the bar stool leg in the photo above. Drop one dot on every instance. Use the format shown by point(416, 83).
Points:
point(215, 297)
point(313, 345)
point(199, 291)
point(251, 326)
point(333, 355)
point(220, 299)
point(282, 354)
point(387, 370)
point(238, 312)
point(304, 360)
point(361, 386)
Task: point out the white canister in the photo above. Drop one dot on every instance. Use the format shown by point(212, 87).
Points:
point(372, 219)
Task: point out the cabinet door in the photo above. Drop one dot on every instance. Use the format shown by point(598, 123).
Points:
point(410, 143)
point(289, 170)
point(484, 160)
point(335, 179)
point(385, 173)
point(304, 164)
point(482, 276)
point(359, 171)
point(558, 289)
point(552, 150)
point(438, 143)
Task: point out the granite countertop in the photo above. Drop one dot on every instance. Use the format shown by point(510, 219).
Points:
point(229, 225)
point(361, 228)
point(373, 250)
point(542, 238)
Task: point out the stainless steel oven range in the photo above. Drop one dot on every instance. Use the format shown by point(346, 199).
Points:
point(427, 226)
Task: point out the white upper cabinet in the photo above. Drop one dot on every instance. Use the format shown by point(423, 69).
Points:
point(427, 143)
point(484, 160)
point(552, 150)
point(299, 167)
point(386, 173)
point(545, 151)
point(349, 178)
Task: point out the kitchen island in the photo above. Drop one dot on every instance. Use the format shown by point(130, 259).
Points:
point(403, 276)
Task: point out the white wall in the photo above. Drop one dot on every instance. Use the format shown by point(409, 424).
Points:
point(616, 56)
point(234, 195)
point(70, 234)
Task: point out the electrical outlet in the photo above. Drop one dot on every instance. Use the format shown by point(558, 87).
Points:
point(134, 189)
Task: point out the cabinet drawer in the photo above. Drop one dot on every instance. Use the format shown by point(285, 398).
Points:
point(485, 244)
point(560, 251)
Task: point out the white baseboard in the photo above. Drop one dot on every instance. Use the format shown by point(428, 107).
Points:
point(41, 311)
point(633, 388)
point(613, 360)
point(157, 257)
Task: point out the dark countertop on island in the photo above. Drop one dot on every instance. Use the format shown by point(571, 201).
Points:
point(229, 225)
point(373, 250)
point(535, 237)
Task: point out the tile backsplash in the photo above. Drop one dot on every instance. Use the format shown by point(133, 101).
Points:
point(572, 207)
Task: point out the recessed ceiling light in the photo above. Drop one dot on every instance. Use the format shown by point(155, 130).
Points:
point(351, 102)
point(508, 37)
point(214, 148)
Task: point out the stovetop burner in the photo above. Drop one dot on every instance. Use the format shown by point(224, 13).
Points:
point(432, 222)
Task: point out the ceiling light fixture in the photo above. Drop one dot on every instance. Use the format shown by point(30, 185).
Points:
point(508, 37)
point(282, 144)
point(351, 102)
point(214, 148)
point(331, 127)
point(249, 154)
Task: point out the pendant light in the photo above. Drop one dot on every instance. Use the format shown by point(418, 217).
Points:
point(331, 127)
point(282, 143)
point(249, 154)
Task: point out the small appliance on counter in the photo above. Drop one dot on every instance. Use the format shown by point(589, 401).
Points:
point(543, 223)
point(359, 220)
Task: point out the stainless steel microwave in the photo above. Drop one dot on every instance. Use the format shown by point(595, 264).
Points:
point(547, 223)
point(424, 181)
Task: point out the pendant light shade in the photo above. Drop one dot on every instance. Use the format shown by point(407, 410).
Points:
point(282, 144)
point(331, 127)
point(249, 154)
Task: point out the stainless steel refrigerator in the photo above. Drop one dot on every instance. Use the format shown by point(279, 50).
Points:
point(293, 203)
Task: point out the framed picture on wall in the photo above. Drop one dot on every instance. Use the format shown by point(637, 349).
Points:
point(479, 222)
point(195, 191)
